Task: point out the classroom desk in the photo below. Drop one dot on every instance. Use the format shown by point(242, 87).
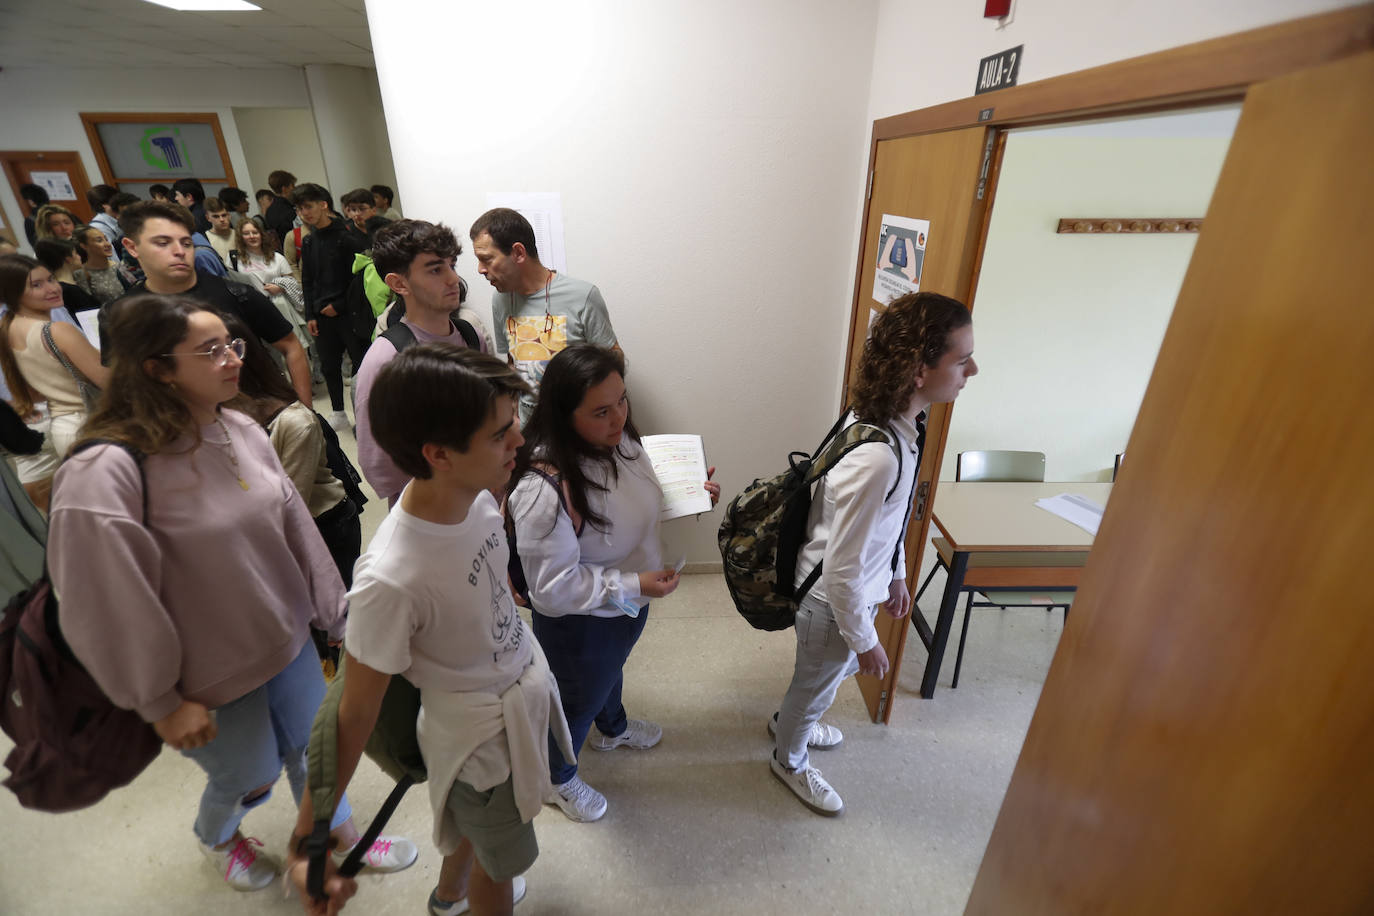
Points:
point(1000, 539)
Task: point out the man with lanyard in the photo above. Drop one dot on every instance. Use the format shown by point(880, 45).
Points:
point(536, 311)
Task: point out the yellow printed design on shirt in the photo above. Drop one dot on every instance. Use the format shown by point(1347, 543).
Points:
point(536, 338)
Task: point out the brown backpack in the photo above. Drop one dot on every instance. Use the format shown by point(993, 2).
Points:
point(71, 744)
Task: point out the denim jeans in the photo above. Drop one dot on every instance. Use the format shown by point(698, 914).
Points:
point(587, 655)
point(824, 660)
point(259, 733)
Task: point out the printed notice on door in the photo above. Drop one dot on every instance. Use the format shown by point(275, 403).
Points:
point(901, 252)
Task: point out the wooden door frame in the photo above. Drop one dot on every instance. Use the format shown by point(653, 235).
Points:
point(91, 122)
point(7, 158)
point(1211, 72)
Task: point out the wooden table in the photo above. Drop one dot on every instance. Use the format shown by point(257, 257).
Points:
point(1000, 539)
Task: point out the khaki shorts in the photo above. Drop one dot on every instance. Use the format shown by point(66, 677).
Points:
point(503, 842)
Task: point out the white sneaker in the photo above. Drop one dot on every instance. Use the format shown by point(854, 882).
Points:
point(339, 420)
point(442, 908)
point(243, 869)
point(638, 734)
point(388, 854)
point(823, 737)
point(809, 786)
point(579, 801)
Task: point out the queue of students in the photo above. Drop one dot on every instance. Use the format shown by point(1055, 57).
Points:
point(243, 546)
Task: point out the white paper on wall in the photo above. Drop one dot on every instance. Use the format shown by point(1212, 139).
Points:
point(57, 184)
point(901, 254)
point(544, 210)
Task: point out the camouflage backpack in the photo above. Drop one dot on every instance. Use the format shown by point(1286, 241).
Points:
point(765, 526)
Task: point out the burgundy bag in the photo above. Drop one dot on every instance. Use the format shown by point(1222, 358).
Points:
point(72, 745)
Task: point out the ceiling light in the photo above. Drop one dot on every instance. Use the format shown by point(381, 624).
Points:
point(208, 6)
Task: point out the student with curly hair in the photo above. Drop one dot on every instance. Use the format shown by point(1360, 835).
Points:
point(920, 352)
point(54, 221)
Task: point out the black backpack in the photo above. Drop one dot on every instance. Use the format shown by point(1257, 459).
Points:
point(764, 527)
point(399, 334)
point(71, 744)
point(343, 469)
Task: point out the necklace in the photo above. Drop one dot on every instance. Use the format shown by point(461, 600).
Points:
point(233, 456)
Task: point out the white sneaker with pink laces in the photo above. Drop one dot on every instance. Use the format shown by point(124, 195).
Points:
point(241, 865)
point(388, 854)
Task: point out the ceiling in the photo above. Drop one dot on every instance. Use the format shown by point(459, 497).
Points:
point(100, 34)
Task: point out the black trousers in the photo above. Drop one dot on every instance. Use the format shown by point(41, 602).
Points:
point(336, 338)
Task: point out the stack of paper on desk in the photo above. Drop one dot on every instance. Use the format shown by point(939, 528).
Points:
point(680, 465)
point(1072, 507)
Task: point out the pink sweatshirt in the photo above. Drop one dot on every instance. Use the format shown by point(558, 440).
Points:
point(210, 600)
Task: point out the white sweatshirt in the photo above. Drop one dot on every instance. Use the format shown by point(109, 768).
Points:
point(855, 530)
point(572, 574)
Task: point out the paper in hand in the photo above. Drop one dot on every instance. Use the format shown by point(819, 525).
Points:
point(680, 466)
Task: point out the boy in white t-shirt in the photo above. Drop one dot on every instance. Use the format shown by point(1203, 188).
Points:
point(431, 601)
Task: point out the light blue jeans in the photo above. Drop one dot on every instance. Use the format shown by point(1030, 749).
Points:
point(823, 662)
point(259, 733)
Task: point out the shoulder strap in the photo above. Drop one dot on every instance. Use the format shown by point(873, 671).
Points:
point(134, 453)
point(468, 331)
point(234, 258)
point(400, 335)
point(564, 498)
point(89, 393)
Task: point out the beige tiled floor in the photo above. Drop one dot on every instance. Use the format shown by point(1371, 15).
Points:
point(695, 825)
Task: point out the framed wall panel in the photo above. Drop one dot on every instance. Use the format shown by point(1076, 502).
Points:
point(136, 149)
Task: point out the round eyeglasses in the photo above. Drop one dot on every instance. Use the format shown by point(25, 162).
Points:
point(219, 353)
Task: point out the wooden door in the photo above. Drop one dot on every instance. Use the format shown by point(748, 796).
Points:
point(1204, 737)
point(20, 166)
point(933, 177)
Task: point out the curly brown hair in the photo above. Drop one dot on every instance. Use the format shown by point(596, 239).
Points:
point(913, 332)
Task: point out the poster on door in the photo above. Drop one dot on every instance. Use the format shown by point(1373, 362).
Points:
point(57, 184)
point(901, 252)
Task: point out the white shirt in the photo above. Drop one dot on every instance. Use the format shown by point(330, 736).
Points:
point(568, 574)
point(855, 530)
point(431, 602)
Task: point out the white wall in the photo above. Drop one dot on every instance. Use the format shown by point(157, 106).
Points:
point(40, 109)
point(927, 53)
point(710, 157)
point(1067, 327)
point(278, 138)
point(347, 106)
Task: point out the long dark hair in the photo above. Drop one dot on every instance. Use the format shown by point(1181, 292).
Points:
point(263, 391)
point(137, 408)
point(550, 437)
point(14, 282)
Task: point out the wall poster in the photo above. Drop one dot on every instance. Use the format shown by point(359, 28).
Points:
point(901, 252)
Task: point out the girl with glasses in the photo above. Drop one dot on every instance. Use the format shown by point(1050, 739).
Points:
point(584, 503)
point(46, 363)
point(189, 579)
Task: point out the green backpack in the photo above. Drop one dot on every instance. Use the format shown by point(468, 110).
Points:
point(392, 745)
point(764, 528)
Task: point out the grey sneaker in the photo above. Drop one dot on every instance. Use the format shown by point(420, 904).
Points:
point(579, 801)
point(638, 734)
point(339, 420)
point(243, 869)
point(445, 908)
point(809, 786)
point(823, 737)
point(388, 854)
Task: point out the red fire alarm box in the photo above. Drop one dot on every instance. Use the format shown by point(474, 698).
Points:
point(996, 9)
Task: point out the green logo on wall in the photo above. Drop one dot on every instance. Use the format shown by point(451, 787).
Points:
point(163, 149)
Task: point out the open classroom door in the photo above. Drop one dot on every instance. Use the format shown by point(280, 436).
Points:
point(1203, 740)
point(936, 188)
